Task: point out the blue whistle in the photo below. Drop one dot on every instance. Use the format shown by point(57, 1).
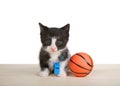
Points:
point(56, 68)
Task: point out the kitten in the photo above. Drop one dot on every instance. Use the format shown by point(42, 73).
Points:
point(54, 49)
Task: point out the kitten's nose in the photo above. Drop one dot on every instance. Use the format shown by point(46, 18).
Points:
point(53, 49)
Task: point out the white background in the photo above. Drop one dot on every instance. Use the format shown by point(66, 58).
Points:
point(95, 28)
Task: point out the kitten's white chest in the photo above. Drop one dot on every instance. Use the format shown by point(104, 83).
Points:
point(54, 56)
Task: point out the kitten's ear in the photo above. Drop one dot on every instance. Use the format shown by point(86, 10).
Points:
point(66, 28)
point(42, 27)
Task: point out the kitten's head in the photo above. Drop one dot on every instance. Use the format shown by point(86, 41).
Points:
point(54, 39)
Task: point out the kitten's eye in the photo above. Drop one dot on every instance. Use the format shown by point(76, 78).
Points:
point(48, 42)
point(59, 43)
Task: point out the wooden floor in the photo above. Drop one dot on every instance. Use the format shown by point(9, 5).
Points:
point(28, 75)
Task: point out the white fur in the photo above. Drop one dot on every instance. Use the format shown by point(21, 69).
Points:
point(44, 73)
point(54, 58)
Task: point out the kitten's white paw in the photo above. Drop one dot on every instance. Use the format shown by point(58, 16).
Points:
point(62, 74)
point(44, 73)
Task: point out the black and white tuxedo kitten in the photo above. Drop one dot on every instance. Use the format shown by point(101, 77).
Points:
point(54, 49)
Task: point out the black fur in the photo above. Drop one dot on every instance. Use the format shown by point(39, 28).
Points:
point(43, 59)
point(64, 55)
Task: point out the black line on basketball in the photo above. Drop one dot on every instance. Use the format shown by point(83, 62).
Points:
point(79, 65)
point(77, 72)
point(85, 60)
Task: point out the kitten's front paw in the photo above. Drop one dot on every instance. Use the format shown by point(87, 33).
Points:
point(62, 74)
point(44, 73)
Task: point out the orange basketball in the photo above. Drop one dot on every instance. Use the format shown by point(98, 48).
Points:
point(80, 64)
